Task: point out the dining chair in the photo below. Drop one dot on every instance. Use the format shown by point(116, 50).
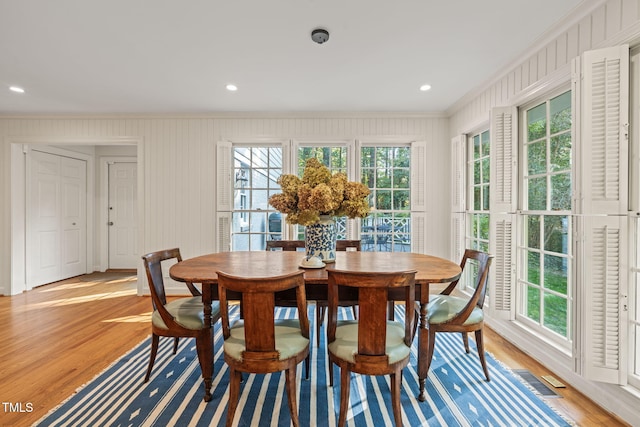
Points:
point(449, 313)
point(260, 343)
point(182, 317)
point(372, 344)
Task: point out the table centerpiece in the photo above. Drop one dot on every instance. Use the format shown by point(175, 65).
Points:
point(315, 200)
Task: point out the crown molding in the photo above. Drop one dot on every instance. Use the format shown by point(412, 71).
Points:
point(241, 115)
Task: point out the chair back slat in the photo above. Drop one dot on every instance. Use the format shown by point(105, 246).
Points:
point(258, 316)
point(372, 321)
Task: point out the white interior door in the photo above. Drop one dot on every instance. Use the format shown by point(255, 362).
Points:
point(56, 218)
point(123, 250)
point(73, 188)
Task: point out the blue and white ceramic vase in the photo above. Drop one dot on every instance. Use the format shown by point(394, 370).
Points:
point(320, 239)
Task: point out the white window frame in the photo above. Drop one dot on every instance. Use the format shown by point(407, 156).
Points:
point(521, 297)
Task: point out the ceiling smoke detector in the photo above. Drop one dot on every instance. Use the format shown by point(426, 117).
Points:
point(319, 35)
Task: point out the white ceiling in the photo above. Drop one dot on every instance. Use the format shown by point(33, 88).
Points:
point(176, 56)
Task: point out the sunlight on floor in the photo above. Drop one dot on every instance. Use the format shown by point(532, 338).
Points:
point(81, 284)
point(77, 300)
point(139, 318)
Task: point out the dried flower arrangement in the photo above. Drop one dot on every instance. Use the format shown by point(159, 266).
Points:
point(319, 193)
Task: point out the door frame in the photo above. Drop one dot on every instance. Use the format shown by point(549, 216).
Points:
point(18, 190)
point(103, 205)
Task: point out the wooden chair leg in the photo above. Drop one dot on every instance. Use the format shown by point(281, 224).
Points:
point(319, 320)
point(480, 345)
point(307, 362)
point(155, 339)
point(290, 383)
point(396, 379)
point(175, 345)
point(391, 310)
point(330, 373)
point(234, 394)
point(465, 341)
point(345, 389)
point(416, 322)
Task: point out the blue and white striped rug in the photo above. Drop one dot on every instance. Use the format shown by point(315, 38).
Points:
point(457, 393)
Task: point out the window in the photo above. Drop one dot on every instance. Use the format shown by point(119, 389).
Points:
point(246, 220)
point(478, 233)
point(544, 280)
point(385, 170)
point(478, 190)
point(335, 158)
point(255, 175)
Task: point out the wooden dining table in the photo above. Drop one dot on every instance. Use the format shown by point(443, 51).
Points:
point(203, 269)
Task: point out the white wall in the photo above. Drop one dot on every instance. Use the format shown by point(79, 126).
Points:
point(545, 66)
point(177, 163)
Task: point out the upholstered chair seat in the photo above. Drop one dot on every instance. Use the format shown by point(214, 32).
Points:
point(288, 339)
point(443, 308)
point(187, 312)
point(346, 344)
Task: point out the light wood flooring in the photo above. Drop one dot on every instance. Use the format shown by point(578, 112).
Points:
point(57, 337)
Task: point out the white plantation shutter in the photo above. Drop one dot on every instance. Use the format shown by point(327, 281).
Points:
point(504, 149)
point(418, 195)
point(603, 153)
point(418, 176)
point(502, 287)
point(458, 168)
point(458, 224)
point(224, 192)
point(605, 279)
point(604, 132)
point(225, 170)
point(458, 195)
point(503, 203)
point(418, 229)
point(223, 231)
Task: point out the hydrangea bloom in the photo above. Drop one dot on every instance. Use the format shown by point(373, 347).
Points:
point(319, 193)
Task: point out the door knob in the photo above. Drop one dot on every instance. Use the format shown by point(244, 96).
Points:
point(110, 222)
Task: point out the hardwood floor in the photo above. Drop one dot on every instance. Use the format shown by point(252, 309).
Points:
point(59, 336)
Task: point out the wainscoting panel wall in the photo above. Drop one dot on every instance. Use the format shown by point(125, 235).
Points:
point(179, 157)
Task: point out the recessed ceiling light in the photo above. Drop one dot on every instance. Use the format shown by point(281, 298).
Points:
point(232, 87)
point(425, 88)
point(16, 89)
